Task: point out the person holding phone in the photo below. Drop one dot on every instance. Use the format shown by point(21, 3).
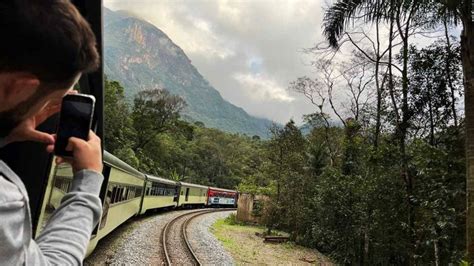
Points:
point(46, 45)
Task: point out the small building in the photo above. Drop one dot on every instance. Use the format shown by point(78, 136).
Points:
point(251, 207)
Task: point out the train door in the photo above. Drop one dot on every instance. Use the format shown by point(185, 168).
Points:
point(187, 194)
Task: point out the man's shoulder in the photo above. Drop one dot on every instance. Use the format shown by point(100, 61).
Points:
point(10, 191)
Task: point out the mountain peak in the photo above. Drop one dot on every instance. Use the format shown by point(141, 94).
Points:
point(141, 56)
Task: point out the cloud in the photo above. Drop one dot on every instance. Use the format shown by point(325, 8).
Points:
point(261, 88)
point(248, 50)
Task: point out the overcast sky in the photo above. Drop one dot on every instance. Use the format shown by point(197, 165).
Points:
point(248, 50)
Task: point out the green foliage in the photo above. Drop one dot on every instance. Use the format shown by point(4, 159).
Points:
point(119, 133)
point(151, 136)
point(232, 220)
point(154, 112)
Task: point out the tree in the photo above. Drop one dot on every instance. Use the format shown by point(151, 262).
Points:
point(119, 132)
point(154, 112)
point(450, 11)
point(433, 89)
point(286, 167)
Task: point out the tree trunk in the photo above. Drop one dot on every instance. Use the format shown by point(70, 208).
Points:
point(430, 111)
point(379, 90)
point(448, 73)
point(436, 252)
point(467, 55)
point(402, 130)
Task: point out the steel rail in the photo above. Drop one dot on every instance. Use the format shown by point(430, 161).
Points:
point(184, 235)
point(166, 232)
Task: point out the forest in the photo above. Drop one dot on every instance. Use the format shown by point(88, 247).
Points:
point(377, 174)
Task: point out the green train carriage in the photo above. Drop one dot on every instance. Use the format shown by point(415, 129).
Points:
point(159, 193)
point(192, 195)
point(122, 201)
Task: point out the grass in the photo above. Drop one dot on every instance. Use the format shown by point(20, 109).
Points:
point(247, 248)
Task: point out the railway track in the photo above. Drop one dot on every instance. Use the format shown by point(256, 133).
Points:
point(176, 246)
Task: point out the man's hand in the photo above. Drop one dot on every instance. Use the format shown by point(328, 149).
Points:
point(26, 130)
point(86, 154)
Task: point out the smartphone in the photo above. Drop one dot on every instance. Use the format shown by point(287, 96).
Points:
point(75, 120)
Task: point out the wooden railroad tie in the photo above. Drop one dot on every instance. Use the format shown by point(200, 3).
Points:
point(276, 239)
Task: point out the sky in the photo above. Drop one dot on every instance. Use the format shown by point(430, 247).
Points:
point(249, 50)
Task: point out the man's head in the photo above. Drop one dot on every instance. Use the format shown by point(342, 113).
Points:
point(45, 46)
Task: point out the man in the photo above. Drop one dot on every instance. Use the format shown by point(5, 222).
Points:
point(45, 46)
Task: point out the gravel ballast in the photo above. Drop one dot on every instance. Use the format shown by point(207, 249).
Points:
point(207, 248)
point(138, 241)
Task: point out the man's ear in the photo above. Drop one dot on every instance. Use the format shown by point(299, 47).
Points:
point(19, 88)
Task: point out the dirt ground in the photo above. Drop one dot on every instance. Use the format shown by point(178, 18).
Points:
point(248, 249)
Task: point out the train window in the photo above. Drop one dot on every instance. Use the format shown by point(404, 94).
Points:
point(115, 197)
point(117, 193)
point(114, 192)
point(119, 196)
point(124, 193)
point(132, 192)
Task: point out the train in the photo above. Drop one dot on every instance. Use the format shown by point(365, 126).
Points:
point(132, 193)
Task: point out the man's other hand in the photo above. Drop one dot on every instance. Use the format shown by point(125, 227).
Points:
point(86, 154)
point(26, 130)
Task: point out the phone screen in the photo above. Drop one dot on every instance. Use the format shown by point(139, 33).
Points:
point(74, 121)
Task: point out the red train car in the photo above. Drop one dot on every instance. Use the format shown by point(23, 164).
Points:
point(221, 197)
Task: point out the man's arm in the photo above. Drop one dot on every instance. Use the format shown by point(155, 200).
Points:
point(65, 237)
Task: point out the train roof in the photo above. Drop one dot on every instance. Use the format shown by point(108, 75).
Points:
point(223, 189)
point(117, 163)
point(192, 185)
point(161, 180)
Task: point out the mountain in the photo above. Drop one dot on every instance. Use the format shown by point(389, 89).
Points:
point(140, 56)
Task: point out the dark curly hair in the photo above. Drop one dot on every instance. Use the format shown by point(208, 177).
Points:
point(48, 38)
